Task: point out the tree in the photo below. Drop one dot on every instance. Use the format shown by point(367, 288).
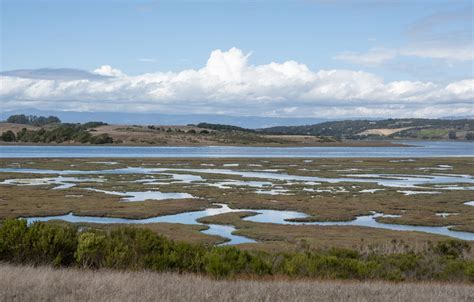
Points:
point(33, 120)
point(18, 119)
point(470, 136)
point(452, 134)
point(8, 136)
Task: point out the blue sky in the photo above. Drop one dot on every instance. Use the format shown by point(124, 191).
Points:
point(428, 42)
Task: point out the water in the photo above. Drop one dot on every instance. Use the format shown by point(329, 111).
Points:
point(146, 195)
point(262, 216)
point(423, 149)
point(183, 218)
point(387, 180)
point(60, 182)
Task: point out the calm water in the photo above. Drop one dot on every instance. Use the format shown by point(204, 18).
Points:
point(423, 149)
point(262, 216)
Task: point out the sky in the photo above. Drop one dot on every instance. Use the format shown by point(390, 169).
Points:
point(307, 58)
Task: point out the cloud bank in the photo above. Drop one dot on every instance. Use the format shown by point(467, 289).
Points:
point(229, 84)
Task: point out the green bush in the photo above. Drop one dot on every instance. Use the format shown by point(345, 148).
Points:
point(452, 248)
point(138, 248)
point(13, 240)
point(91, 250)
point(64, 133)
point(8, 136)
point(52, 244)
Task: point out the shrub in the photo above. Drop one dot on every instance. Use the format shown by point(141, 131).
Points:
point(91, 249)
point(228, 261)
point(8, 136)
point(13, 240)
point(452, 248)
point(139, 248)
point(50, 243)
point(103, 138)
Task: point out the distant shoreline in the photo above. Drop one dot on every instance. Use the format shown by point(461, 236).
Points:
point(328, 144)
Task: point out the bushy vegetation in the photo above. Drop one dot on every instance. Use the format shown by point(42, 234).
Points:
point(33, 120)
point(220, 127)
point(62, 133)
point(351, 129)
point(138, 248)
point(8, 136)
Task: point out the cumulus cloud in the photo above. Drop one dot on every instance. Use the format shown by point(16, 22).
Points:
point(107, 70)
point(230, 84)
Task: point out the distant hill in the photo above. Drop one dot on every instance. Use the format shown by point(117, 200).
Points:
point(392, 128)
point(251, 122)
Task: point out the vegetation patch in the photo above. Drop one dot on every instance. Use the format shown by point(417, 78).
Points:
point(137, 248)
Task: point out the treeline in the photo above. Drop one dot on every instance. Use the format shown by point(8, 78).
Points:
point(33, 120)
point(136, 249)
point(62, 133)
point(221, 127)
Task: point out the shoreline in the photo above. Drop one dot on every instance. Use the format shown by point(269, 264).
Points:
point(330, 144)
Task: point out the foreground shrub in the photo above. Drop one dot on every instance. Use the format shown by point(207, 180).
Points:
point(91, 250)
point(138, 248)
point(38, 243)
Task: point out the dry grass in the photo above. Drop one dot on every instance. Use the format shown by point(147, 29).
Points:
point(24, 283)
point(383, 131)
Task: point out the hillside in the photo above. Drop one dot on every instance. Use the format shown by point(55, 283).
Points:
point(390, 128)
point(50, 130)
point(32, 129)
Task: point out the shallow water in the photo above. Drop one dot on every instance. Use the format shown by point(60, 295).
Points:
point(387, 180)
point(262, 216)
point(226, 232)
point(60, 182)
point(183, 218)
point(407, 192)
point(146, 195)
point(445, 214)
point(423, 149)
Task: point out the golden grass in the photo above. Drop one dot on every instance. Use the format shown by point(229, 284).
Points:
point(25, 283)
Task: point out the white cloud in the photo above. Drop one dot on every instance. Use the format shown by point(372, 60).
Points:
point(375, 56)
point(147, 60)
point(107, 70)
point(229, 84)
point(438, 51)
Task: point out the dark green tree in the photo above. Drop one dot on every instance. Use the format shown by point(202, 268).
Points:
point(8, 136)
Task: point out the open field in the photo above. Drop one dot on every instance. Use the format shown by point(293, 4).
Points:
point(24, 283)
point(86, 187)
